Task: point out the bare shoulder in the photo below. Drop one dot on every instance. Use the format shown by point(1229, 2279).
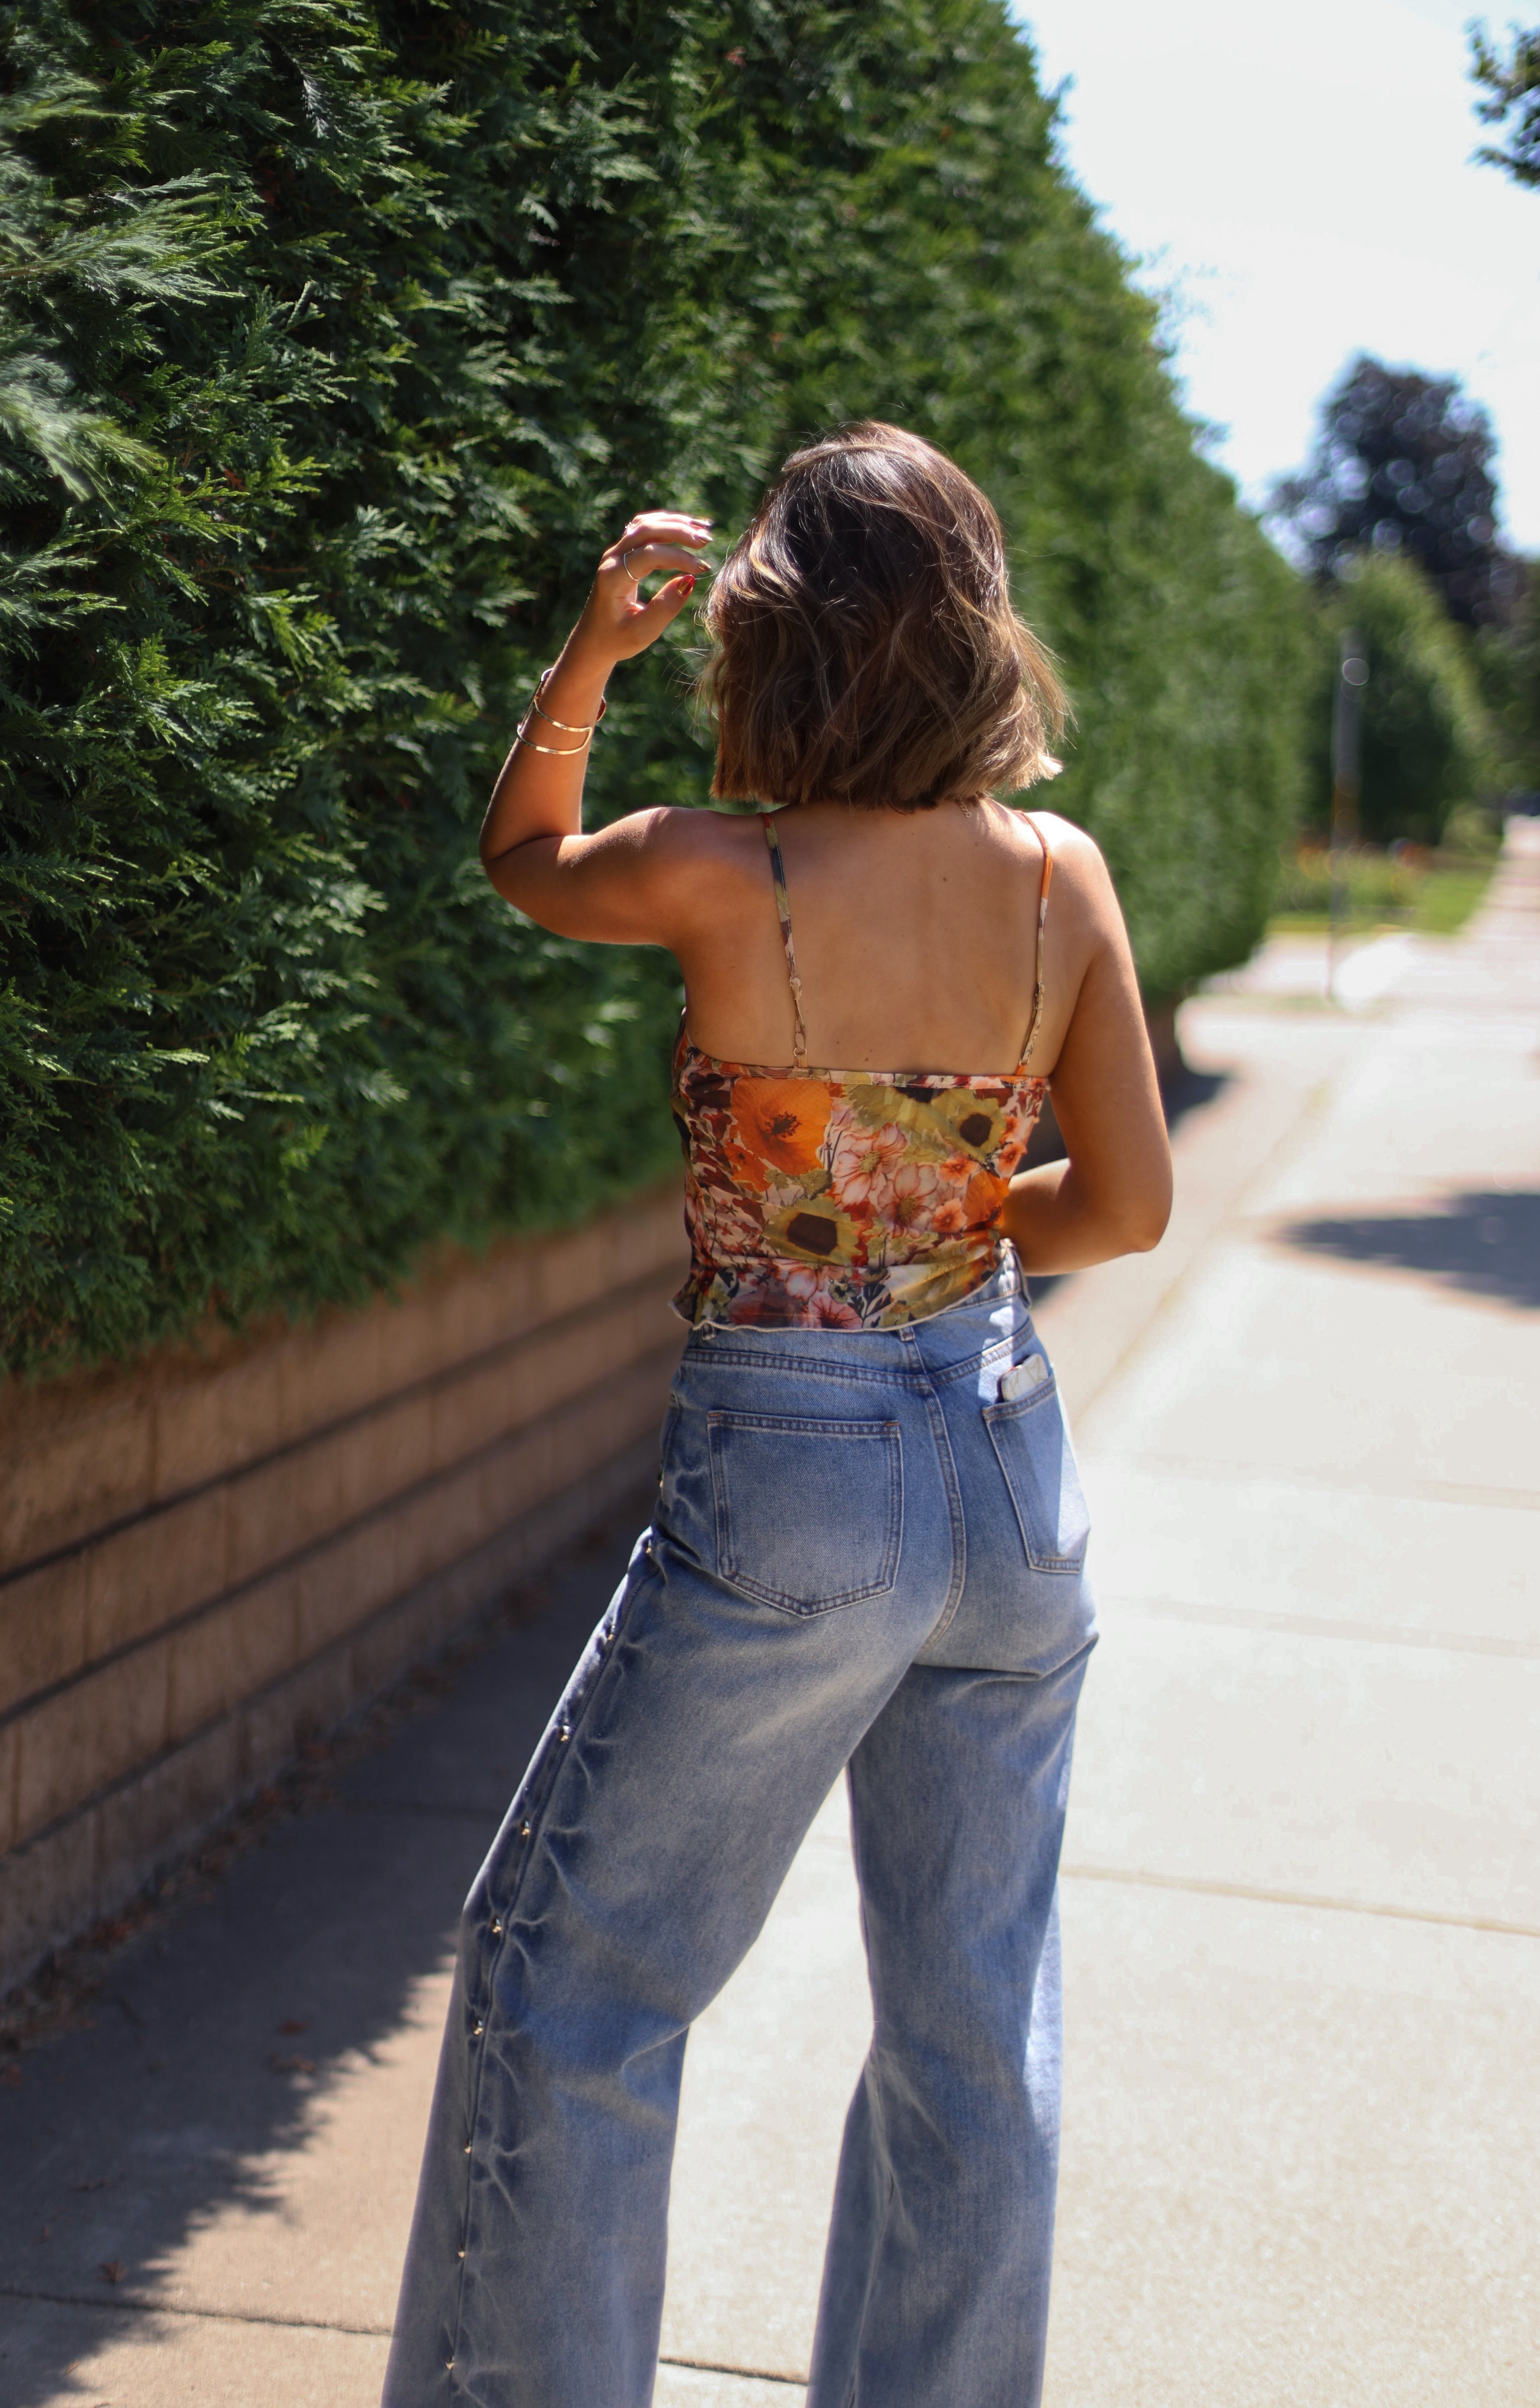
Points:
point(678, 867)
point(672, 843)
point(650, 879)
point(686, 833)
point(703, 851)
point(1083, 887)
point(1077, 856)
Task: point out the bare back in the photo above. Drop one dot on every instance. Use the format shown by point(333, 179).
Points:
point(916, 939)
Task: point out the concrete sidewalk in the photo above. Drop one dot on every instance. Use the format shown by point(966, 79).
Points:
point(1302, 1893)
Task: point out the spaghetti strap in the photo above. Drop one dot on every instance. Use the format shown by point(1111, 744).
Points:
point(1042, 932)
point(782, 907)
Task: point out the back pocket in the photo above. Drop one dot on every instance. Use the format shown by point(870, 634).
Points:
point(1038, 1461)
point(809, 1513)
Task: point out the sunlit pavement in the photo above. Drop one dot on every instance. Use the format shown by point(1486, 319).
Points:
point(1302, 2149)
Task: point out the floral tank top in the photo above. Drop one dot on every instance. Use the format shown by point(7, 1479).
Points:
point(846, 1200)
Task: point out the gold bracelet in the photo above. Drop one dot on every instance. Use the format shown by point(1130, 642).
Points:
point(560, 752)
point(568, 726)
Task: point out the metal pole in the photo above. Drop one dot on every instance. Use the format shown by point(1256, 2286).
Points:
point(1352, 677)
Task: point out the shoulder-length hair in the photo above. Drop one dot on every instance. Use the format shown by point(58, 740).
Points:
point(865, 647)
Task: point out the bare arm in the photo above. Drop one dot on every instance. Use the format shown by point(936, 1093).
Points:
point(1113, 1195)
point(613, 885)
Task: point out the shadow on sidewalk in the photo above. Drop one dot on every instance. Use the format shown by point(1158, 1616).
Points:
point(1484, 1241)
point(1183, 1090)
point(208, 2042)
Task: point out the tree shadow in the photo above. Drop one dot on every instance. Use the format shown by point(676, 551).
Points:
point(1188, 1091)
point(1484, 1241)
point(208, 2042)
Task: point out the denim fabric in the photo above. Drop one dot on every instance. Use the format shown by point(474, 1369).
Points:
point(867, 1554)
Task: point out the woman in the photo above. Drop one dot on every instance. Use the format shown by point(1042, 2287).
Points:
point(868, 1544)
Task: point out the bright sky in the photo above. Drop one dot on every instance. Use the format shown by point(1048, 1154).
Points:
point(1301, 178)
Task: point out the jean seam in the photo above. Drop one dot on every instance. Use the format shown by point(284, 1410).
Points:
point(921, 1378)
point(561, 1752)
point(872, 2073)
point(814, 1425)
point(878, 2242)
point(816, 1367)
point(946, 1463)
point(799, 1612)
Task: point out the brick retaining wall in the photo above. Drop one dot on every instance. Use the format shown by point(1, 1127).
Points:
point(208, 1555)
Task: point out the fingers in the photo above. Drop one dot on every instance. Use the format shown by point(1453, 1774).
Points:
point(640, 560)
point(618, 614)
point(667, 603)
point(681, 525)
point(646, 618)
point(655, 539)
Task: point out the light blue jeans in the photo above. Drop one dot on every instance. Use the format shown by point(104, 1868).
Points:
point(867, 1556)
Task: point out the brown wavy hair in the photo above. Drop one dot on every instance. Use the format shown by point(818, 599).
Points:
point(865, 647)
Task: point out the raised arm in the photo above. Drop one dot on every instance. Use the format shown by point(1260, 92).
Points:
point(533, 849)
point(1112, 1195)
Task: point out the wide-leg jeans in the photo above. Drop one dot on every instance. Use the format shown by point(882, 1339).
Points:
point(866, 1555)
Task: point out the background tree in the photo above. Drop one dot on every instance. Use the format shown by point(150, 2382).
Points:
point(1427, 737)
point(1508, 657)
point(1512, 81)
point(1403, 464)
point(1507, 663)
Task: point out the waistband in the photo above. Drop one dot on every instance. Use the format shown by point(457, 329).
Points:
point(989, 1315)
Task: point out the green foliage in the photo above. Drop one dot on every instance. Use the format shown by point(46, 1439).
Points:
point(1374, 887)
point(334, 343)
point(1447, 898)
point(1507, 667)
point(1402, 465)
point(1409, 888)
point(1474, 832)
point(1426, 739)
point(1512, 82)
point(1189, 772)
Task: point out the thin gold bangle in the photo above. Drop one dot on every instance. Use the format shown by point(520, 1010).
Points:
point(568, 726)
point(560, 752)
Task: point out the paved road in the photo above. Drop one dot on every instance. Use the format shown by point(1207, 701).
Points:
point(1303, 1893)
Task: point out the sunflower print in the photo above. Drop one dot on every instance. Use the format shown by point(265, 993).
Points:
point(859, 1200)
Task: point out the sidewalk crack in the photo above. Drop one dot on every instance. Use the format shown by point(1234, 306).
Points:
point(1316, 1903)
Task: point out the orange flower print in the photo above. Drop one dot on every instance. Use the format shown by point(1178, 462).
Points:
point(780, 1122)
point(984, 1198)
point(949, 1220)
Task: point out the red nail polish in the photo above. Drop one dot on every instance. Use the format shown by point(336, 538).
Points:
point(689, 587)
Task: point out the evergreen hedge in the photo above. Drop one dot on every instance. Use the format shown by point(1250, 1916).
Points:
point(335, 340)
